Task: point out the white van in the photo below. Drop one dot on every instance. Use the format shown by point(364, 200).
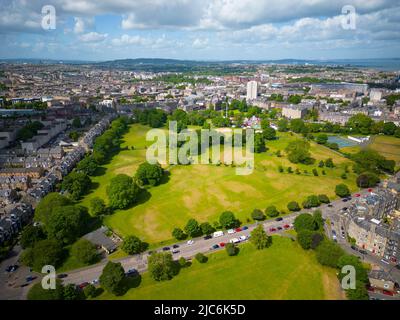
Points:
point(234, 240)
point(217, 234)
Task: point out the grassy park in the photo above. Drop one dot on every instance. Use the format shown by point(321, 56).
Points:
point(204, 191)
point(282, 271)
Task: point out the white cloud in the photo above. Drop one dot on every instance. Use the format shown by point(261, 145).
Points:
point(200, 43)
point(81, 24)
point(93, 37)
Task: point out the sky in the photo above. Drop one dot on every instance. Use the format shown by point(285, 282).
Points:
point(199, 29)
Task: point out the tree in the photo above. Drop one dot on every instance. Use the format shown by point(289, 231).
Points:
point(201, 257)
point(259, 143)
point(269, 133)
point(360, 123)
point(231, 249)
point(149, 174)
point(88, 165)
point(178, 234)
point(45, 252)
point(322, 138)
point(71, 292)
point(161, 266)
point(77, 184)
point(283, 125)
point(342, 190)
point(311, 202)
point(260, 238)
point(298, 152)
point(321, 164)
point(315, 172)
point(206, 228)
point(67, 223)
point(133, 245)
point(48, 204)
point(98, 207)
point(257, 214)
point(305, 221)
point(84, 251)
point(122, 192)
point(192, 228)
point(389, 128)
point(182, 262)
point(90, 291)
point(309, 239)
point(112, 277)
point(31, 235)
point(371, 161)
point(293, 206)
point(271, 211)
point(227, 220)
point(329, 163)
point(367, 180)
point(76, 122)
point(297, 125)
point(38, 293)
point(323, 198)
point(328, 253)
point(359, 293)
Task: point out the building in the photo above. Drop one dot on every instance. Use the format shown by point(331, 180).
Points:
point(294, 112)
point(251, 90)
point(375, 95)
point(382, 281)
point(100, 239)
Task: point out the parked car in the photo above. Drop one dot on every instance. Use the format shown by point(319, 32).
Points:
point(131, 272)
point(357, 195)
point(215, 246)
point(279, 219)
point(344, 200)
point(190, 242)
point(62, 275)
point(244, 228)
point(272, 229)
point(175, 251)
point(333, 232)
point(30, 278)
point(83, 285)
point(207, 237)
point(279, 228)
point(166, 248)
point(94, 281)
point(242, 238)
point(330, 205)
point(286, 226)
point(238, 229)
point(363, 251)
point(222, 244)
point(353, 247)
point(12, 268)
point(231, 231)
point(175, 246)
point(217, 234)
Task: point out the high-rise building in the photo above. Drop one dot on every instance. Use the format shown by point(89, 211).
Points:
point(251, 90)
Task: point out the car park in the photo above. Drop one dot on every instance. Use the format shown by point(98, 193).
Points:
point(231, 231)
point(279, 219)
point(217, 234)
point(190, 242)
point(207, 237)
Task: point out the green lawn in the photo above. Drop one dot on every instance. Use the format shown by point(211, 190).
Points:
point(204, 191)
point(387, 146)
point(283, 271)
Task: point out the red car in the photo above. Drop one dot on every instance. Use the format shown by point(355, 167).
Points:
point(222, 244)
point(83, 285)
point(238, 229)
point(286, 226)
point(370, 190)
point(357, 195)
point(388, 293)
point(272, 229)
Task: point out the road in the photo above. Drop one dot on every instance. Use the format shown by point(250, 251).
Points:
point(139, 262)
